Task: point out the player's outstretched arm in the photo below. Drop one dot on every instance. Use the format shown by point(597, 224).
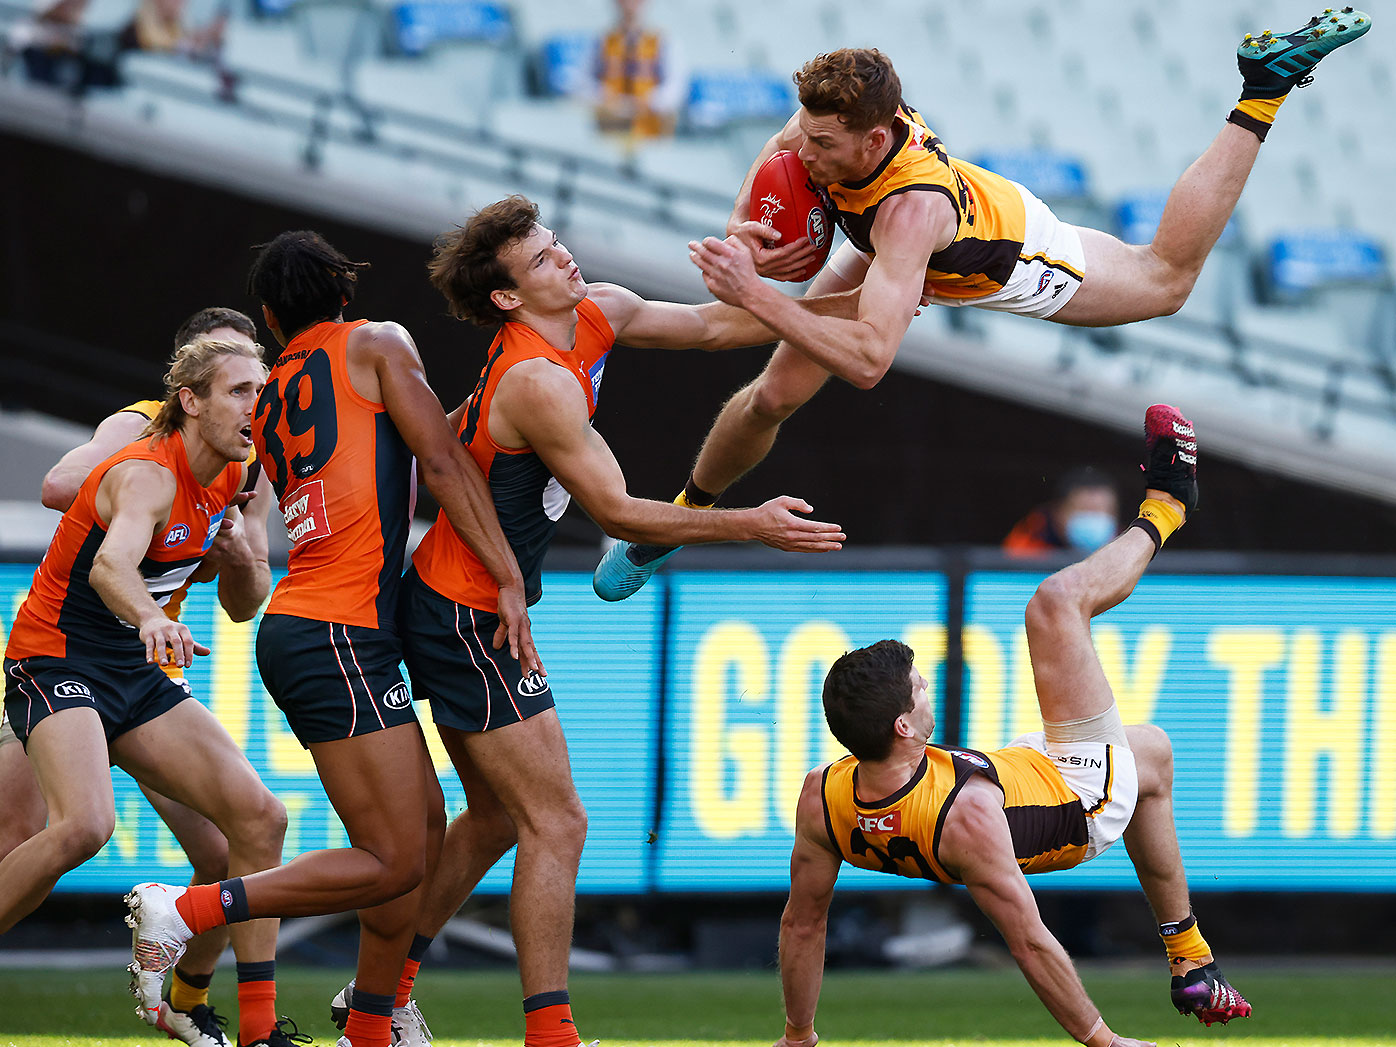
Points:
point(907, 230)
point(452, 476)
point(813, 870)
point(976, 843)
point(135, 499)
point(61, 483)
point(643, 324)
point(538, 404)
point(240, 552)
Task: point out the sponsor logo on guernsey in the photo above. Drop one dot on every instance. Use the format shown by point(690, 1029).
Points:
point(970, 758)
point(176, 534)
point(890, 822)
point(72, 689)
point(1078, 761)
point(397, 697)
point(532, 685)
point(214, 523)
point(305, 515)
point(598, 369)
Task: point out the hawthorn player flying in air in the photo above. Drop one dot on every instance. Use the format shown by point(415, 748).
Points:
point(924, 227)
point(1050, 800)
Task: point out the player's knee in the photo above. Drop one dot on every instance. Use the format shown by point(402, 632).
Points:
point(1153, 755)
point(768, 402)
point(208, 854)
point(78, 839)
point(258, 829)
point(402, 872)
point(562, 825)
point(1056, 602)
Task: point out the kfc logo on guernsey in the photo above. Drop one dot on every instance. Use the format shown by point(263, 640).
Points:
point(175, 535)
point(305, 514)
point(891, 822)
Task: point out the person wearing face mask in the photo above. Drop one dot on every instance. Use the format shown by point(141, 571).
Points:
point(1082, 516)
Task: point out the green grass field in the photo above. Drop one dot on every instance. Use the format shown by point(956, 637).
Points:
point(1348, 1006)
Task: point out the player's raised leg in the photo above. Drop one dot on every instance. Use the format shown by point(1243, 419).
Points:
point(740, 438)
point(1124, 282)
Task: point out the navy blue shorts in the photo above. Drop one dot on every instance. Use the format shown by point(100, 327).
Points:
point(332, 681)
point(450, 655)
point(124, 695)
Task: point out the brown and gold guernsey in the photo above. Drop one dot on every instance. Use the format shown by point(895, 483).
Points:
point(342, 475)
point(989, 240)
point(63, 616)
point(900, 833)
point(527, 497)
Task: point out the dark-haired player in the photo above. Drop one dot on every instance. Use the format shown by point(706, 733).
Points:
point(528, 424)
point(1050, 800)
point(925, 227)
point(83, 679)
point(345, 408)
point(185, 1014)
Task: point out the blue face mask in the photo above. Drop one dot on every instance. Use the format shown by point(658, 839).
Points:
point(1089, 530)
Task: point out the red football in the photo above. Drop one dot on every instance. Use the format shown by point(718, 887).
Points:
point(783, 197)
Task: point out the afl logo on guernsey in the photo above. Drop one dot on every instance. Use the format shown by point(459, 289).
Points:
point(532, 685)
point(970, 758)
point(397, 697)
point(176, 534)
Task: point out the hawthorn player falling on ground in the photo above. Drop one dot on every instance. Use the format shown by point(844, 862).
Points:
point(1050, 800)
point(925, 227)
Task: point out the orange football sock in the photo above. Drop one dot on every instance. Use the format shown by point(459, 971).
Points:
point(548, 1021)
point(200, 908)
point(256, 1007)
point(368, 1030)
point(404, 984)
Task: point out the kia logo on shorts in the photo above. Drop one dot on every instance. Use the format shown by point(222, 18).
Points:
point(72, 689)
point(176, 534)
point(397, 697)
point(532, 685)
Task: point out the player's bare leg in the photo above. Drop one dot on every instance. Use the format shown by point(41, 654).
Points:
point(68, 757)
point(526, 766)
point(475, 840)
point(1124, 283)
point(25, 813)
point(740, 438)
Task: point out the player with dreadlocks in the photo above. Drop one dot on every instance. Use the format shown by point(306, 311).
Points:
point(345, 408)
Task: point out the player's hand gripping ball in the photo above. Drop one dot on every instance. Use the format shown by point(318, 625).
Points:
point(783, 197)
